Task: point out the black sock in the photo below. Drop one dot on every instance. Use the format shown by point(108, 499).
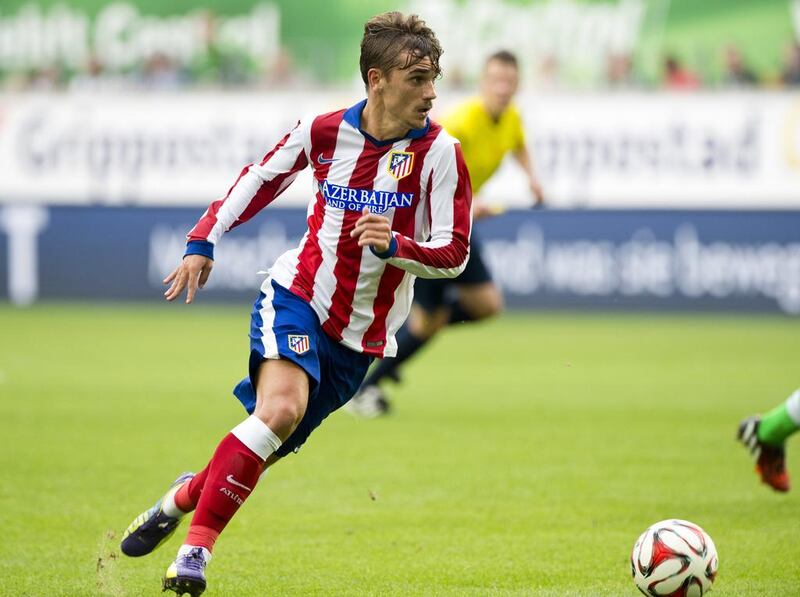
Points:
point(407, 345)
point(457, 313)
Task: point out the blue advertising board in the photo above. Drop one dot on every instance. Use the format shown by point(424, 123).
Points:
point(670, 260)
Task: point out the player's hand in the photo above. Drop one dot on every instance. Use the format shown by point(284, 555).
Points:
point(538, 194)
point(373, 230)
point(481, 211)
point(192, 273)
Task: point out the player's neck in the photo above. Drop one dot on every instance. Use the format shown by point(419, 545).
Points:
point(494, 112)
point(378, 123)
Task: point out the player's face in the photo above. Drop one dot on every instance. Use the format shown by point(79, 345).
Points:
point(498, 85)
point(409, 93)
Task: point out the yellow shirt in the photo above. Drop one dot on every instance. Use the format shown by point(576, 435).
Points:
point(484, 141)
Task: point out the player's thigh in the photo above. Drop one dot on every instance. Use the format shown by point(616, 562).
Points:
point(480, 300)
point(341, 373)
point(430, 294)
point(283, 358)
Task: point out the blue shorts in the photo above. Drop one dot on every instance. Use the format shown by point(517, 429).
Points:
point(284, 326)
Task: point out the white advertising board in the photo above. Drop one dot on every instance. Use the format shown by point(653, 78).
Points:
point(613, 150)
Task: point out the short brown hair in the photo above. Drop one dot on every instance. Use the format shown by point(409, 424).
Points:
point(387, 36)
point(505, 57)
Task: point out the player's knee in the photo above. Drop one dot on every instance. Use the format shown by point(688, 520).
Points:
point(490, 306)
point(424, 324)
point(281, 412)
point(495, 305)
point(427, 328)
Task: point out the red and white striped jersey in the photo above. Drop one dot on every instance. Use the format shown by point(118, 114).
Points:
point(420, 183)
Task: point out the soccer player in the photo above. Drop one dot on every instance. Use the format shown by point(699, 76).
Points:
point(489, 127)
point(393, 202)
point(765, 437)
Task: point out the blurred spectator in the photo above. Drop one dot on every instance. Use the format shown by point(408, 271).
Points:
point(48, 78)
point(284, 73)
point(737, 73)
point(220, 64)
point(619, 71)
point(790, 74)
point(455, 79)
point(282, 70)
point(14, 81)
point(549, 75)
point(95, 77)
point(678, 77)
point(160, 72)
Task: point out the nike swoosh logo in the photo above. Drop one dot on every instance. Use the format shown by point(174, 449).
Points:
point(233, 481)
point(324, 161)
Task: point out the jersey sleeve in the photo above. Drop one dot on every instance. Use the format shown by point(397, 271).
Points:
point(257, 186)
point(450, 195)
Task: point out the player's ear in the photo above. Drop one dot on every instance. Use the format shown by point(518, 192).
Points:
point(375, 79)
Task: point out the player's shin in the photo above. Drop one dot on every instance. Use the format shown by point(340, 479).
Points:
point(777, 425)
point(232, 475)
point(187, 496)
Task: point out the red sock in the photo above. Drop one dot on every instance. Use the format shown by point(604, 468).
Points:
point(188, 495)
point(232, 475)
point(201, 536)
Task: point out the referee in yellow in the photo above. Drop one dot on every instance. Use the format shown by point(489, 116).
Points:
point(489, 127)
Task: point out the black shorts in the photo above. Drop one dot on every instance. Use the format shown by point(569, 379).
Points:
point(430, 294)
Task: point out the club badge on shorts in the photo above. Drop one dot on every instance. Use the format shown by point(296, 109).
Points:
point(401, 163)
point(299, 344)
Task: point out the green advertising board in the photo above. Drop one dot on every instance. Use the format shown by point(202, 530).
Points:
point(319, 40)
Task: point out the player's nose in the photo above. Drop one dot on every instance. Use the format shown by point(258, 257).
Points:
point(429, 93)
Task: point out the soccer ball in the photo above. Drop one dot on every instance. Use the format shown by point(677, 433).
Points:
point(674, 558)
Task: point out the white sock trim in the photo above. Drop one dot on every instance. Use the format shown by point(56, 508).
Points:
point(793, 407)
point(168, 505)
point(255, 434)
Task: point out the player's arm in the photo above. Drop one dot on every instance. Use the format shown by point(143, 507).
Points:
point(523, 158)
point(445, 254)
point(257, 186)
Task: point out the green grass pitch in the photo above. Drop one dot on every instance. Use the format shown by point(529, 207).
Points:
point(524, 456)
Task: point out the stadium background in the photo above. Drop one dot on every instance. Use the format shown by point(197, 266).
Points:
point(666, 191)
point(138, 106)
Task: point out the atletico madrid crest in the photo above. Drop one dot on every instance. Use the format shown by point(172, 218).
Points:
point(401, 163)
point(299, 344)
